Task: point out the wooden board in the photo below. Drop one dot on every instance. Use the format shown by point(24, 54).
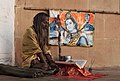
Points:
point(79, 63)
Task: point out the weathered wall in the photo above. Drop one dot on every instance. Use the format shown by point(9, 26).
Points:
point(106, 47)
point(7, 31)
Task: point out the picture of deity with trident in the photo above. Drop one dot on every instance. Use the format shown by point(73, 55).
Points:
point(76, 28)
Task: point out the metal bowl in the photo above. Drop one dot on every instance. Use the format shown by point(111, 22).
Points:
point(68, 57)
point(64, 58)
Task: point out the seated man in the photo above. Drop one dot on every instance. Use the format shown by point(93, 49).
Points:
point(36, 53)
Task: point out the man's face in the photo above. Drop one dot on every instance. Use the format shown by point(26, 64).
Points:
point(45, 23)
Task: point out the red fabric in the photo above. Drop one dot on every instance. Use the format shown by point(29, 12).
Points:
point(90, 77)
point(76, 73)
point(73, 71)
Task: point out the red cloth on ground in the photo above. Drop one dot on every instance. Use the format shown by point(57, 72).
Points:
point(73, 71)
point(76, 73)
point(90, 77)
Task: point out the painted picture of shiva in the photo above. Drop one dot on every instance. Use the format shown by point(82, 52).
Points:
point(72, 34)
point(76, 28)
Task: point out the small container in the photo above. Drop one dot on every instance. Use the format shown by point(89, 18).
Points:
point(65, 58)
point(68, 58)
point(90, 70)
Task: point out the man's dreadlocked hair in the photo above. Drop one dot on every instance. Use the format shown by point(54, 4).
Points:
point(38, 19)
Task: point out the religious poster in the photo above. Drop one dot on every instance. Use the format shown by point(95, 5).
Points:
point(71, 28)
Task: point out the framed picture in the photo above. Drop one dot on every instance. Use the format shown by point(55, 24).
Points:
point(73, 29)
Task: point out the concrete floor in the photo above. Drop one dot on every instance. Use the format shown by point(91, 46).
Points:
point(113, 74)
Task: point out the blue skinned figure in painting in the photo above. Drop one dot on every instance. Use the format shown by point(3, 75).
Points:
point(86, 37)
point(54, 28)
point(71, 35)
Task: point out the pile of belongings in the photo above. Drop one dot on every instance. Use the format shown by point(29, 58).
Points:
point(23, 72)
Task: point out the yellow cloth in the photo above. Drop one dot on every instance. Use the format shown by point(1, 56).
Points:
point(30, 47)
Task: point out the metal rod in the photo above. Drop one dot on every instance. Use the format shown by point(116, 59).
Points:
point(79, 10)
point(59, 45)
point(57, 21)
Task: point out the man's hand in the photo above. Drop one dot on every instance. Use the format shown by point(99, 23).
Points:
point(48, 52)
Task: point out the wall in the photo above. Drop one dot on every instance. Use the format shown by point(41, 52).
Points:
point(106, 47)
point(7, 31)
